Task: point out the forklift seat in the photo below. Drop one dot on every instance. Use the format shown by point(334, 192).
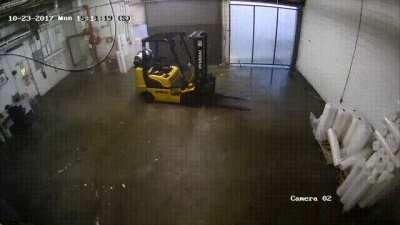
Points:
point(166, 79)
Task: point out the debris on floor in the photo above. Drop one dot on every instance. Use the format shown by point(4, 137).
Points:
point(77, 158)
point(97, 221)
point(66, 167)
point(81, 149)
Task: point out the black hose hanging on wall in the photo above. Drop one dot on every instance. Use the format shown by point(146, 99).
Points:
point(354, 52)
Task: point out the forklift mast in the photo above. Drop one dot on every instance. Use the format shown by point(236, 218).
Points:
point(204, 80)
point(199, 39)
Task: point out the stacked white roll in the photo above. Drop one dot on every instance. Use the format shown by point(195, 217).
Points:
point(369, 181)
point(325, 122)
point(342, 122)
point(357, 189)
point(357, 138)
point(349, 162)
point(335, 147)
point(393, 137)
point(350, 131)
point(346, 133)
point(378, 190)
point(349, 179)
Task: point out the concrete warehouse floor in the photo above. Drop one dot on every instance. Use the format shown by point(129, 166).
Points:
point(98, 153)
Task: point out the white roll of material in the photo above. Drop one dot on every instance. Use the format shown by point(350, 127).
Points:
point(386, 148)
point(359, 139)
point(376, 145)
point(349, 179)
point(342, 122)
point(378, 190)
point(357, 191)
point(350, 131)
point(393, 143)
point(354, 184)
point(394, 129)
point(325, 122)
point(373, 160)
point(335, 147)
point(314, 121)
point(352, 160)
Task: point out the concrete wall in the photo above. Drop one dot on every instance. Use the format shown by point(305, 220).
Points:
point(8, 89)
point(180, 16)
point(187, 16)
point(329, 31)
point(38, 80)
point(53, 50)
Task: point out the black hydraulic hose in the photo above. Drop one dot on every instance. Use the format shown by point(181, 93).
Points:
point(354, 52)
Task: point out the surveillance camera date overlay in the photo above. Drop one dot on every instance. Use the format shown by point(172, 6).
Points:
point(79, 18)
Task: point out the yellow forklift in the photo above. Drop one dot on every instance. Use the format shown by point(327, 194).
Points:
point(182, 80)
point(177, 77)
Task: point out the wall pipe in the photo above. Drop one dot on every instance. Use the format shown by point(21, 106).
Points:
point(94, 39)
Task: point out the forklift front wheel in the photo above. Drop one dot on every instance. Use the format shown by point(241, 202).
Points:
point(148, 97)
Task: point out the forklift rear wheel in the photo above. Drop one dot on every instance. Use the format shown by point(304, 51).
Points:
point(148, 97)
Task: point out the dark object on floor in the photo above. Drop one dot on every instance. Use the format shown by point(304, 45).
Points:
point(8, 215)
point(19, 116)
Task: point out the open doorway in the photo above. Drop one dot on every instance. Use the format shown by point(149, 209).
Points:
point(262, 33)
